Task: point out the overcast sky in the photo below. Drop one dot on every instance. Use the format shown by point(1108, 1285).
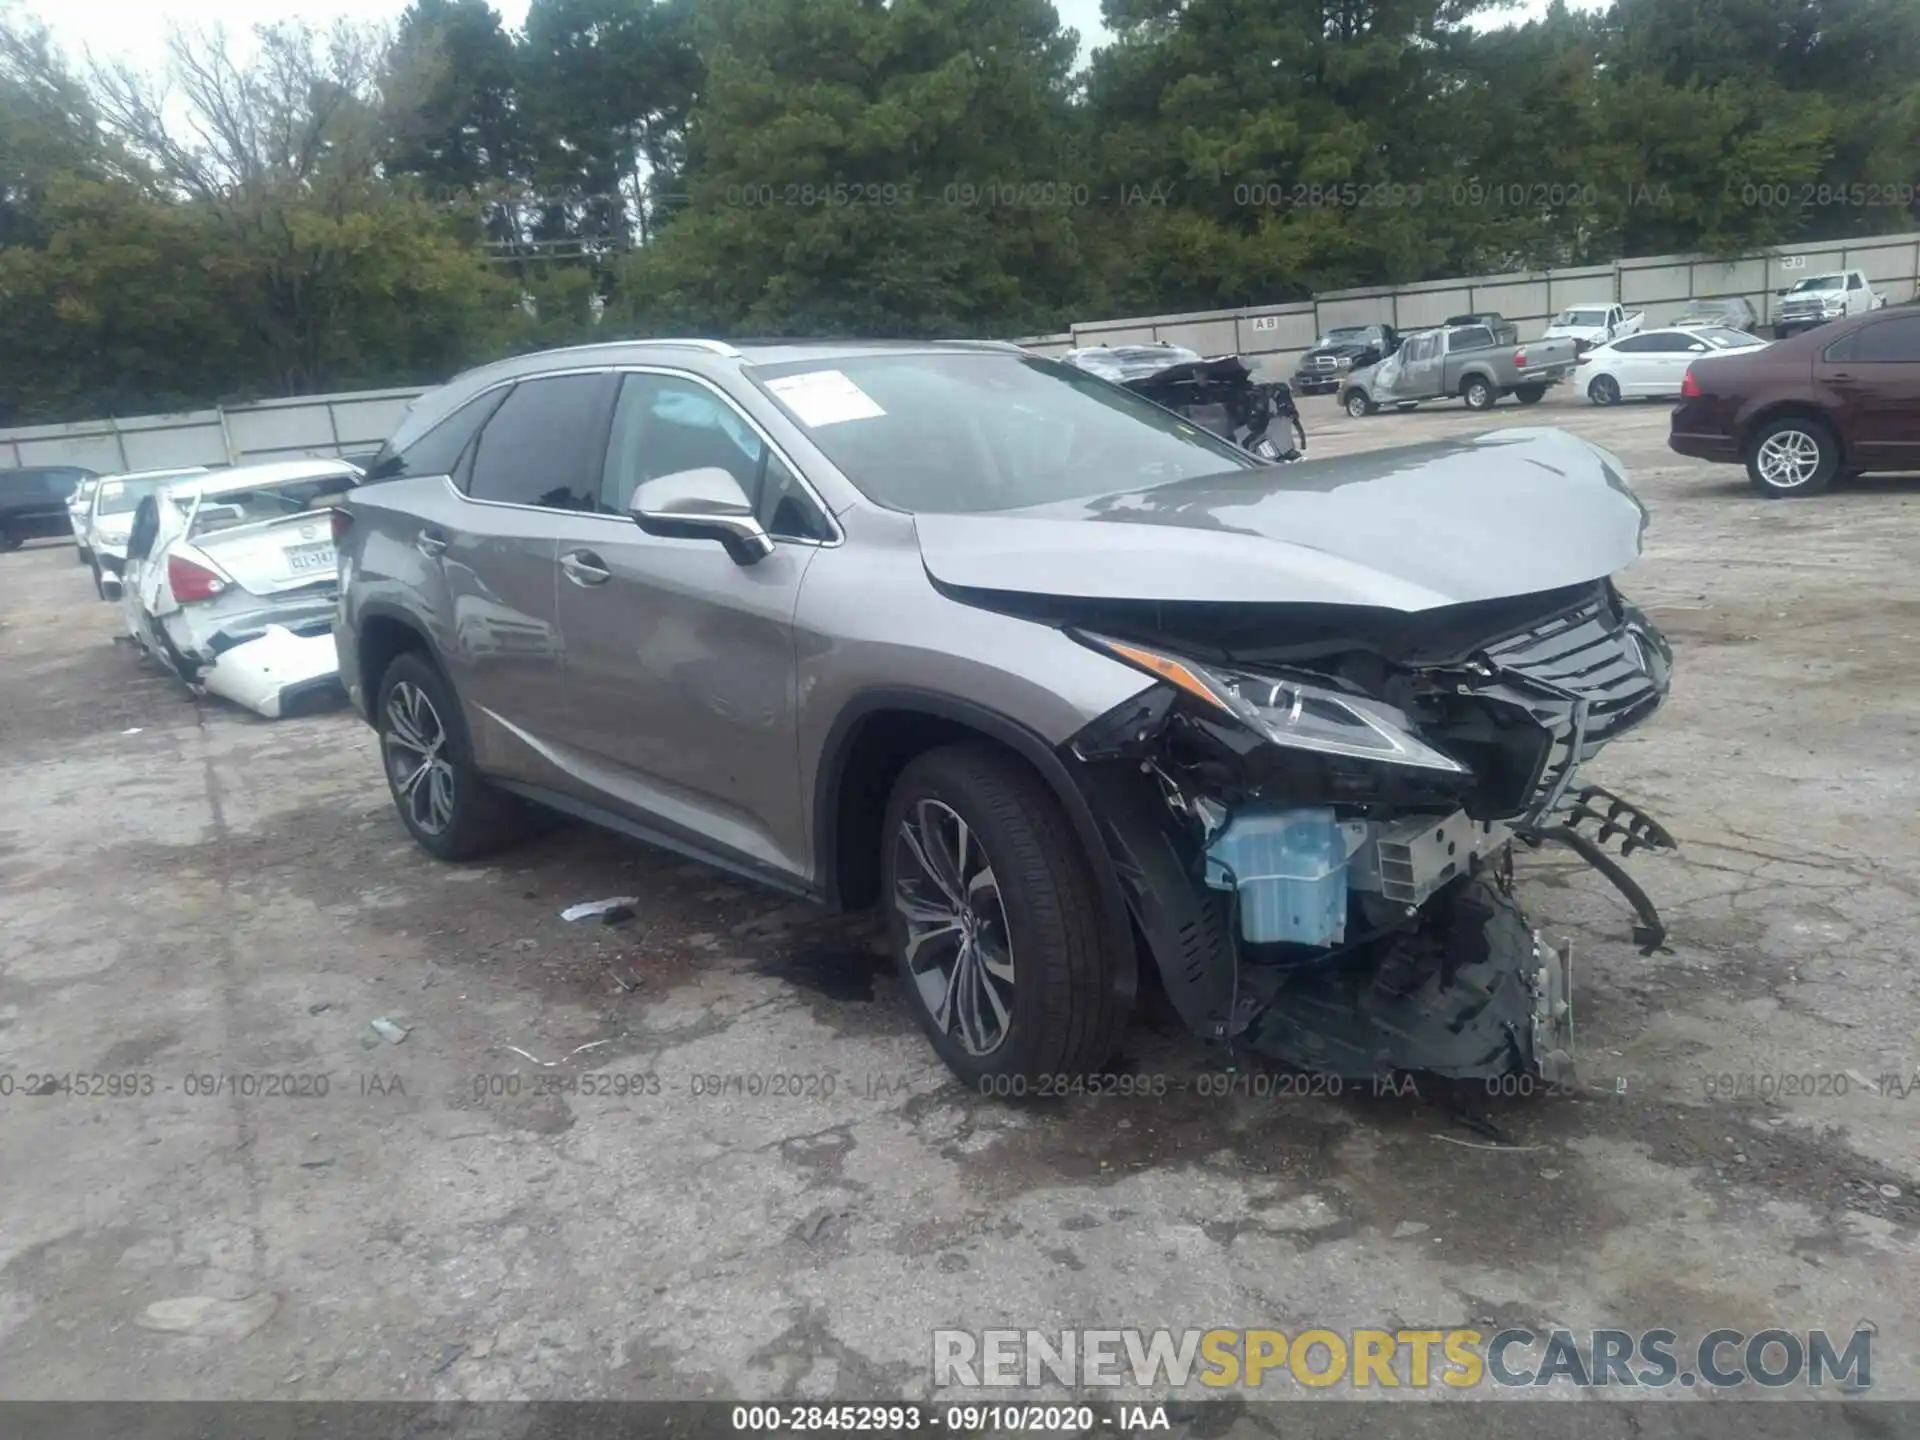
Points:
point(126, 30)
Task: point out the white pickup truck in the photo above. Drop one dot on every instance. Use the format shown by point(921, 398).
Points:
point(1591, 325)
point(1820, 298)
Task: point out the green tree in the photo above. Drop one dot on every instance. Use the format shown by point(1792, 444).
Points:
point(893, 169)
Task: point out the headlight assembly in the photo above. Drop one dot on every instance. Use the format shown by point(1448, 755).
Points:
point(1295, 713)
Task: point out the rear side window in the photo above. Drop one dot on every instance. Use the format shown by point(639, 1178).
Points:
point(1890, 342)
point(545, 444)
point(438, 451)
point(1473, 337)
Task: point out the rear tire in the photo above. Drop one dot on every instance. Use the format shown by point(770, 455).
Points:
point(1605, 390)
point(1478, 394)
point(83, 555)
point(1529, 394)
point(1793, 456)
point(452, 811)
point(1016, 985)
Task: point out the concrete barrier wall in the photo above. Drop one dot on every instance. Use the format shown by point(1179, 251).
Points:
point(1273, 335)
point(1661, 285)
point(319, 425)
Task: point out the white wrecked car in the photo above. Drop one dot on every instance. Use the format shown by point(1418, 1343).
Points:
point(232, 581)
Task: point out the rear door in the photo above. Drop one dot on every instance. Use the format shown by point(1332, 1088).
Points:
point(536, 461)
point(1871, 378)
point(680, 673)
point(1660, 360)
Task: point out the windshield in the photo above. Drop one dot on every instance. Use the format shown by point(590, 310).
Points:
point(1728, 339)
point(965, 433)
point(118, 495)
point(1346, 333)
point(1819, 282)
point(1582, 317)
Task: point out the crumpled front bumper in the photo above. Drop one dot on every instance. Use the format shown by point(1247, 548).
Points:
point(1437, 970)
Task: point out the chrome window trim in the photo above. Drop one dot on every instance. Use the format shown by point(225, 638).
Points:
point(839, 534)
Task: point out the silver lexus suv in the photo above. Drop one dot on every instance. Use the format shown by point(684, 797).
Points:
point(1082, 695)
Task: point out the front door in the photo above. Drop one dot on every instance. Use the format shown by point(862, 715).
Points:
point(1420, 369)
point(680, 671)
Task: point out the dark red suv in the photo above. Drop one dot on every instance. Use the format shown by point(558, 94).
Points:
point(1840, 400)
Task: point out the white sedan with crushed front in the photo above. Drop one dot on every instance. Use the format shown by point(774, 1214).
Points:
point(1652, 364)
point(232, 582)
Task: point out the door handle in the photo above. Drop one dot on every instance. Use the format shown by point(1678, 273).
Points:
point(430, 544)
point(1841, 375)
point(583, 567)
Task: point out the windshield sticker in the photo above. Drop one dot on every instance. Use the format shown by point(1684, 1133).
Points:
point(824, 397)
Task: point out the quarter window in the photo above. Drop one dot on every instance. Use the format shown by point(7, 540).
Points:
point(664, 424)
point(544, 444)
point(439, 451)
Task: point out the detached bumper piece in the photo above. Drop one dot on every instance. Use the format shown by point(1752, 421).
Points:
point(1614, 820)
point(277, 671)
point(1474, 993)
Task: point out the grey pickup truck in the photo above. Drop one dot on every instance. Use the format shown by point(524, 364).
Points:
point(1458, 362)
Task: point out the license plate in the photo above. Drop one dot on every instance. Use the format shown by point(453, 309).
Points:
point(311, 559)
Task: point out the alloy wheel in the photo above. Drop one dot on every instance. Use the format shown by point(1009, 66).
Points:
point(1604, 390)
point(415, 740)
point(959, 950)
point(1788, 459)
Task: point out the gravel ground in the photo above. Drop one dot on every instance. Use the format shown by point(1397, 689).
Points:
point(190, 893)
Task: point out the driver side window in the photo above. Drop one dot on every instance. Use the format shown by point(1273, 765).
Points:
point(663, 424)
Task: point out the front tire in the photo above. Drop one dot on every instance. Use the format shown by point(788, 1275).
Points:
point(9, 541)
point(1793, 456)
point(1605, 390)
point(1358, 405)
point(1478, 394)
point(1529, 394)
point(994, 919)
point(449, 807)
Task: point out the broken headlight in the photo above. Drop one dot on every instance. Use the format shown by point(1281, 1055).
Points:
point(1292, 712)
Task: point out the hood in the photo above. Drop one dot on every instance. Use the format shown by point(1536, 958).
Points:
point(1411, 528)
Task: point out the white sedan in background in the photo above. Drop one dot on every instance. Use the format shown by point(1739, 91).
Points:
point(232, 581)
point(1651, 364)
point(110, 520)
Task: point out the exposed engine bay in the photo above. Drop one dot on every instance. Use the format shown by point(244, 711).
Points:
point(1314, 816)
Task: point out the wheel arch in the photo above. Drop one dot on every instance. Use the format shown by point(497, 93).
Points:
point(1774, 410)
point(383, 634)
point(874, 737)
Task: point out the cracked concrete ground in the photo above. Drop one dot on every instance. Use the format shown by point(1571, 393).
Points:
point(189, 893)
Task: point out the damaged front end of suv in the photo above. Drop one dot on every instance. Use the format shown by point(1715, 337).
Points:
point(1313, 813)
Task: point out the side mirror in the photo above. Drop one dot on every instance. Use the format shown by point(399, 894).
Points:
point(703, 504)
